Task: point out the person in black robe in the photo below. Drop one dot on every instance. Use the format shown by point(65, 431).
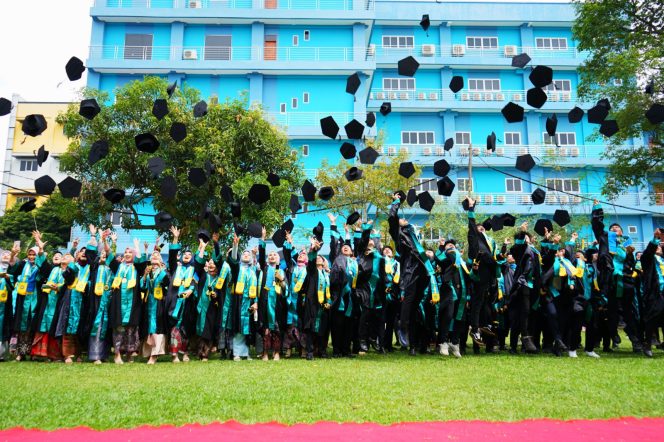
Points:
point(652, 290)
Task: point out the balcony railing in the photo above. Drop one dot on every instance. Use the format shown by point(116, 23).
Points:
point(540, 151)
point(465, 95)
point(508, 51)
point(336, 5)
point(311, 119)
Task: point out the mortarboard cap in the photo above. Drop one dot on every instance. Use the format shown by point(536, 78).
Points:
point(609, 128)
point(538, 196)
point(329, 127)
point(406, 169)
point(411, 198)
point(542, 224)
point(371, 119)
point(368, 155)
point(509, 220)
point(318, 231)
point(170, 90)
point(288, 225)
point(541, 76)
point(70, 187)
point(160, 108)
point(89, 108)
point(426, 201)
point(147, 143)
point(236, 209)
point(74, 69)
point(42, 156)
point(114, 195)
point(294, 204)
point(5, 107)
point(445, 186)
point(353, 174)
point(168, 188)
point(200, 109)
point(28, 206)
point(441, 168)
point(204, 235)
point(456, 83)
point(402, 195)
point(259, 193)
point(308, 191)
point(597, 114)
point(98, 151)
point(273, 179)
point(197, 176)
point(279, 238)
point(407, 66)
point(353, 83)
point(215, 222)
point(326, 193)
point(385, 108)
point(512, 112)
point(496, 223)
point(354, 129)
point(650, 87)
point(491, 142)
point(449, 144)
point(348, 150)
point(44, 185)
point(655, 114)
point(33, 125)
point(575, 115)
point(178, 132)
point(239, 230)
point(536, 97)
point(561, 217)
point(487, 224)
point(255, 229)
point(352, 218)
point(425, 22)
point(521, 60)
point(525, 163)
point(551, 125)
point(227, 193)
point(156, 166)
point(604, 102)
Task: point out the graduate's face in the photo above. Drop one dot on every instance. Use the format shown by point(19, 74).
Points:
point(129, 255)
point(5, 258)
point(320, 262)
point(273, 258)
point(211, 268)
point(57, 259)
point(186, 257)
point(155, 260)
point(82, 257)
point(247, 258)
point(480, 228)
point(346, 250)
point(658, 251)
point(617, 229)
point(580, 256)
point(102, 256)
point(449, 247)
point(560, 253)
point(510, 259)
point(302, 258)
point(387, 252)
point(31, 255)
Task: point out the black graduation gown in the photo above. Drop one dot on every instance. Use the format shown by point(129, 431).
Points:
point(211, 323)
point(115, 308)
point(281, 307)
point(310, 305)
point(7, 321)
point(365, 268)
point(42, 298)
point(412, 266)
point(653, 298)
point(162, 312)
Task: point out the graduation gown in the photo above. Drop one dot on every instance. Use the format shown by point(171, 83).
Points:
point(244, 293)
point(652, 283)
point(272, 304)
point(181, 311)
point(24, 295)
point(125, 305)
point(209, 299)
point(6, 289)
point(316, 289)
point(97, 322)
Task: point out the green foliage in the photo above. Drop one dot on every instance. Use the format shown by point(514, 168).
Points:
point(241, 146)
point(624, 38)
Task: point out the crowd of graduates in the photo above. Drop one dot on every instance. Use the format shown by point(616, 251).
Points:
point(365, 296)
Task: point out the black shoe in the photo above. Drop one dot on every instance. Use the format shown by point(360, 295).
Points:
point(363, 347)
point(527, 344)
point(412, 352)
point(310, 356)
point(513, 351)
point(638, 348)
point(380, 350)
point(374, 344)
point(323, 356)
point(488, 330)
point(647, 352)
point(389, 349)
point(559, 345)
point(476, 337)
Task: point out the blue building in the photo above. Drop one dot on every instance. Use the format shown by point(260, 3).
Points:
point(293, 56)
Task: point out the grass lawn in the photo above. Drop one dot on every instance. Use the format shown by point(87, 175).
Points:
point(373, 388)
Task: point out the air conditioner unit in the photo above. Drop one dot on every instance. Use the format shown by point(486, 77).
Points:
point(562, 152)
point(421, 96)
point(465, 97)
point(500, 151)
point(458, 50)
point(525, 199)
point(476, 151)
point(195, 4)
point(554, 96)
point(488, 96)
point(500, 96)
point(428, 50)
point(550, 198)
point(371, 51)
point(576, 200)
point(550, 151)
point(477, 96)
point(403, 149)
point(574, 152)
point(403, 96)
point(426, 151)
point(190, 54)
point(500, 199)
point(380, 95)
point(440, 151)
point(523, 150)
point(566, 96)
point(391, 150)
point(463, 151)
point(564, 199)
point(392, 95)
point(517, 97)
point(433, 96)
point(488, 199)
point(510, 51)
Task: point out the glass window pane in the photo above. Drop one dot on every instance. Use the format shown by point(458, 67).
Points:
point(554, 43)
point(563, 43)
point(404, 137)
point(429, 137)
point(540, 43)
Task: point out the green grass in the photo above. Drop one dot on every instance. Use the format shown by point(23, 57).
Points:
point(373, 388)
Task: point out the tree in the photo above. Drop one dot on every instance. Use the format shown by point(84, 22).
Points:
point(239, 145)
point(624, 40)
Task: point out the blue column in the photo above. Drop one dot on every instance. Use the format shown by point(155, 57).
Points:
point(257, 40)
point(177, 40)
point(359, 48)
point(94, 79)
point(449, 124)
point(97, 33)
point(445, 33)
point(446, 75)
point(646, 230)
point(534, 133)
point(527, 38)
point(255, 88)
point(360, 103)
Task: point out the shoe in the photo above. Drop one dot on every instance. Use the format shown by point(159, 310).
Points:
point(324, 356)
point(572, 354)
point(363, 347)
point(647, 352)
point(559, 345)
point(445, 349)
point(488, 330)
point(513, 351)
point(607, 350)
point(491, 349)
point(412, 352)
point(403, 338)
point(527, 344)
point(237, 358)
point(389, 349)
point(476, 337)
point(637, 348)
point(336, 355)
point(351, 355)
point(455, 350)
point(592, 354)
point(310, 356)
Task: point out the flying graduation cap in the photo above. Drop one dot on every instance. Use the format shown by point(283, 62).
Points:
point(406, 169)
point(227, 193)
point(353, 174)
point(575, 115)
point(259, 193)
point(273, 179)
point(326, 193)
point(449, 144)
point(491, 142)
point(163, 220)
point(609, 128)
point(89, 108)
point(551, 125)
point(146, 142)
point(411, 198)
point(308, 191)
point(655, 114)
point(456, 83)
point(385, 108)
point(368, 155)
point(512, 112)
point(98, 151)
point(156, 166)
point(521, 60)
point(160, 108)
point(5, 107)
point(44, 185)
point(354, 129)
point(197, 176)
point(74, 69)
point(408, 66)
point(561, 217)
point(70, 187)
point(33, 125)
point(348, 150)
point(371, 119)
point(294, 204)
point(538, 196)
point(525, 163)
point(425, 23)
point(178, 131)
point(541, 76)
point(353, 83)
point(255, 229)
point(597, 114)
point(352, 218)
point(114, 196)
point(318, 231)
point(543, 225)
point(426, 201)
point(329, 127)
point(279, 237)
point(445, 186)
point(441, 168)
point(28, 206)
point(536, 97)
point(168, 187)
point(42, 155)
point(170, 90)
point(200, 109)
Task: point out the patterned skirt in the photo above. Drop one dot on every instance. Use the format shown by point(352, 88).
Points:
point(97, 349)
point(179, 342)
point(70, 347)
point(125, 339)
point(46, 346)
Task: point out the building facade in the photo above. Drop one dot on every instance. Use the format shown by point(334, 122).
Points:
point(293, 57)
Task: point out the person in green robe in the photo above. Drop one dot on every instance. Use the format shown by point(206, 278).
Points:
point(245, 293)
point(24, 298)
point(272, 307)
point(101, 279)
point(6, 288)
point(154, 284)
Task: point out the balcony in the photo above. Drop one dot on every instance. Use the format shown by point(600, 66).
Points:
point(307, 124)
point(435, 99)
point(343, 5)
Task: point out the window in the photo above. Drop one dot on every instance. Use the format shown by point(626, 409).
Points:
point(551, 43)
point(426, 184)
point(632, 230)
point(482, 42)
point(483, 84)
point(559, 85)
point(217, 47)
point(23, 199)
point(296, 40)
point(305, 207)
point(512, 185)
point(564, 184)
point(563, 138)
point(282, 108)
point(512, 138)
point(399, 84)
point(294, 103)
point(398, 41)
point(138, 47)
point(115, 218)
point(28, 166)
point(305, 150)
point(307, 35)
point(462, 138)
point(305, 97)
point(294, 152)
point(617, 82)
point(463, 184)
point(417, 137)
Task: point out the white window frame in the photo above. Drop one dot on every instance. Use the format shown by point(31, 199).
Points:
point(562, 138)
point(305, 97)
point(28, 165)
point(115, 218)
point(632, 230)
point(402, 84)
point(559, 86)
point(294, 152)
point(426, 185)
point(560, 47)
point(514, 182)
point(564, 184)
point(305, 207)
point(305, 150)
point(306, 35)
point(418, 134)
point(617, 82)
point(462, 184)
point(484, 82)
point(296, 40)
point(462, 135)
point(399, 45)
point(282, 108)
point(471, 41)
point(20, 199)
point(509, 136)
point(294, 103)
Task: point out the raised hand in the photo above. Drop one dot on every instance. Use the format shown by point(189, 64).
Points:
point(236, 239)
point(263, 233)
point(289, 237)
point(215, 237)
point(201, 244)
point(332, 218)
point(114, 237)
point(75, 243)
point(524, 226)
point(92, 229)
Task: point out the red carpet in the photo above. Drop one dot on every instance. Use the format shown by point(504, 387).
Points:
point(626, 429)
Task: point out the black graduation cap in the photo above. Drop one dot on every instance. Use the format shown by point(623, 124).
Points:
point(441, 168)
point(318, 231)
point(197, 176)
point(255, 229)
point(456, 83)
point(147, 143)
point(536, 97)
point(294, 204)
point(509, 220)
point(326, 193)
point(465, 204)
point(406, 169)
point(200, 109)
point(353, 83)
point(402, 195)
point(98, 151)
point(279, 238)
point(28, 206)
point(496, 223)
point(288, 225)
point(227, 193)
point(541, 224)
point(89, 108)
point(170, 90)
point(487, 224)
point(308, 191)
point(445, 186)
point(604, 102)
point(491, 142)
point(44, 185)
point(42, 155)
point(449, 144)
point(348, 150)
point(512, 112)
point(33, 125)
point(204, 235)
point(425, 22)
point(650, 87)
point(561, 217)
point(236, 209)
point(538, 196)
point(74, 69)
point(407, 66)
point(385, 108)
point(160, 108)
point(551, 125)
point(156, 166)
point(353, 174)
point(371, 119)
point(354, 129)
point(525, 163)
point(329, 127)
point(575, 115)
point(5, 107)
point(368, 155)
point(259, 193)
point(521, 60)
point(541, 76)
point(239, 230)
point(168, 188)
point(609, 128)
point(352, 218)
point(655, 114)
point(178, 132)
point(114, 195)
point(273, 179)
point(70, 187)
point(597, 114)
point(426, 201)
point(411, 198)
